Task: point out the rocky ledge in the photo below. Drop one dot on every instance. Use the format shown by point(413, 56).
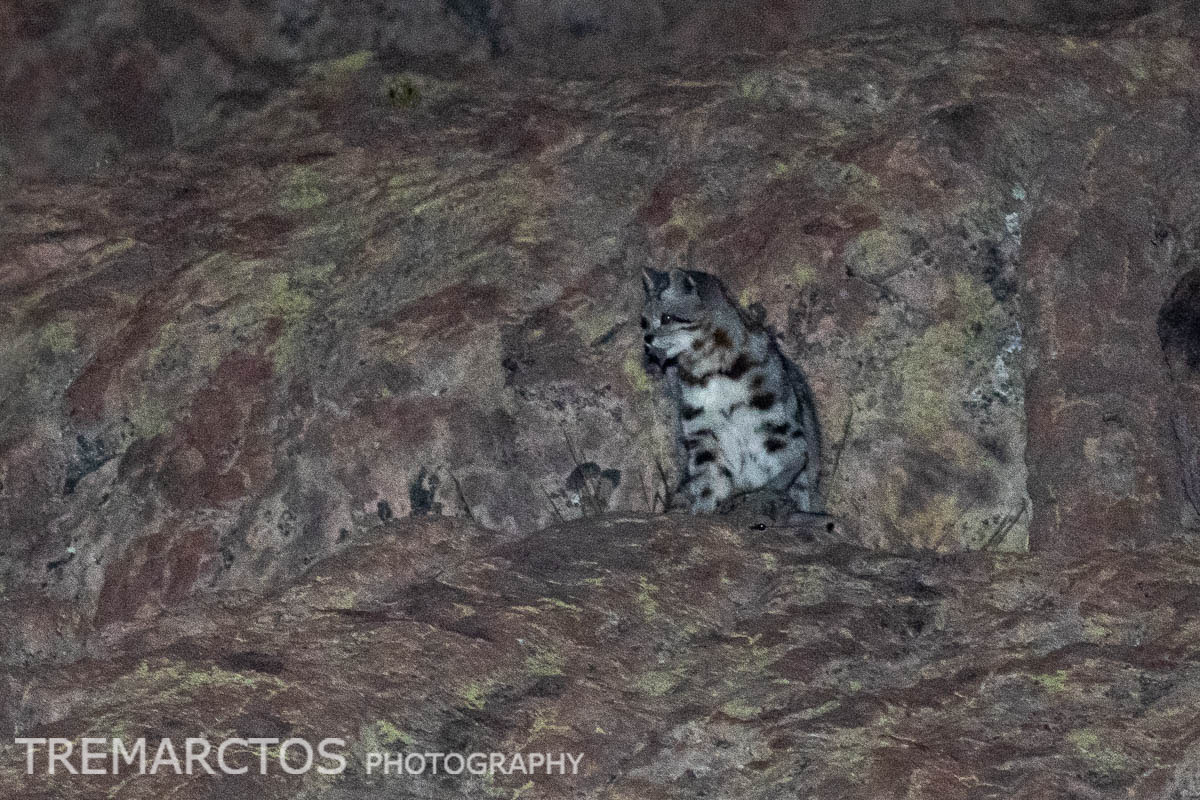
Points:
point(682, 657)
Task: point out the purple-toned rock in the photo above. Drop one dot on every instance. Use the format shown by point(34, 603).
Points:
point(284, 420)
point(674, 656)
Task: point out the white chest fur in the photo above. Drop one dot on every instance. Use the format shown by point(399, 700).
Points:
point(733, 429)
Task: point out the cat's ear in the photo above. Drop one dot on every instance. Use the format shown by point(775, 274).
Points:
point(647, 281)
point(683, 281)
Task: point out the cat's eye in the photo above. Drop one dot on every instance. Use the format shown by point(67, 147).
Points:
point(667, 319)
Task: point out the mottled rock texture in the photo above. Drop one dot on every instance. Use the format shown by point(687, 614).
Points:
point(683, 657)
point(321, 382)
point(83, 82)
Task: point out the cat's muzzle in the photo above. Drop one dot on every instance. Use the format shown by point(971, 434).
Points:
point(657, 358)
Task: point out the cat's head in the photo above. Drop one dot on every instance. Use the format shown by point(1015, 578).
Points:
point(678, 307)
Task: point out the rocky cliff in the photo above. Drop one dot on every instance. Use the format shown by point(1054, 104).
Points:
point(364, 355)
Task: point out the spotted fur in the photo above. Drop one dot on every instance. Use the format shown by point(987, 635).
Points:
point(745, 418)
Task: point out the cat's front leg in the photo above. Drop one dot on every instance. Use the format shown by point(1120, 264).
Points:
point(706, 486)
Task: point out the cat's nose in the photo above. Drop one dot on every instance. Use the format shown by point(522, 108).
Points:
point(648, 338)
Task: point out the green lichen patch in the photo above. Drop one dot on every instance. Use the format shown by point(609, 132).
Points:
point(740, 709)
point(645, 598)
point(877, 254)
point(413, 184)
point(160, 683)
point(112, 249)
point(58, 337)
point(810, 584)
point(803, 275)
point(382, 735)
point(289, 298)
point(657, 682)
point(474, 695)
point(283, 300)
point(343, 66)
point(561, 605)
point(756, 87)
point(938, 368)
point(545, 662)
point(926, 371)
point(1106, 764)
point(1052, 682)
point(303, 190)
point(149, 413)
point(636, 373)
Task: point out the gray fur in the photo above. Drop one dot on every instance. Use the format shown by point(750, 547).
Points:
point(745, 420)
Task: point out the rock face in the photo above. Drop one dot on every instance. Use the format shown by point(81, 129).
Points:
point(357, 352)
point(82, 83)
point(682, 658)
point(392, 294)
